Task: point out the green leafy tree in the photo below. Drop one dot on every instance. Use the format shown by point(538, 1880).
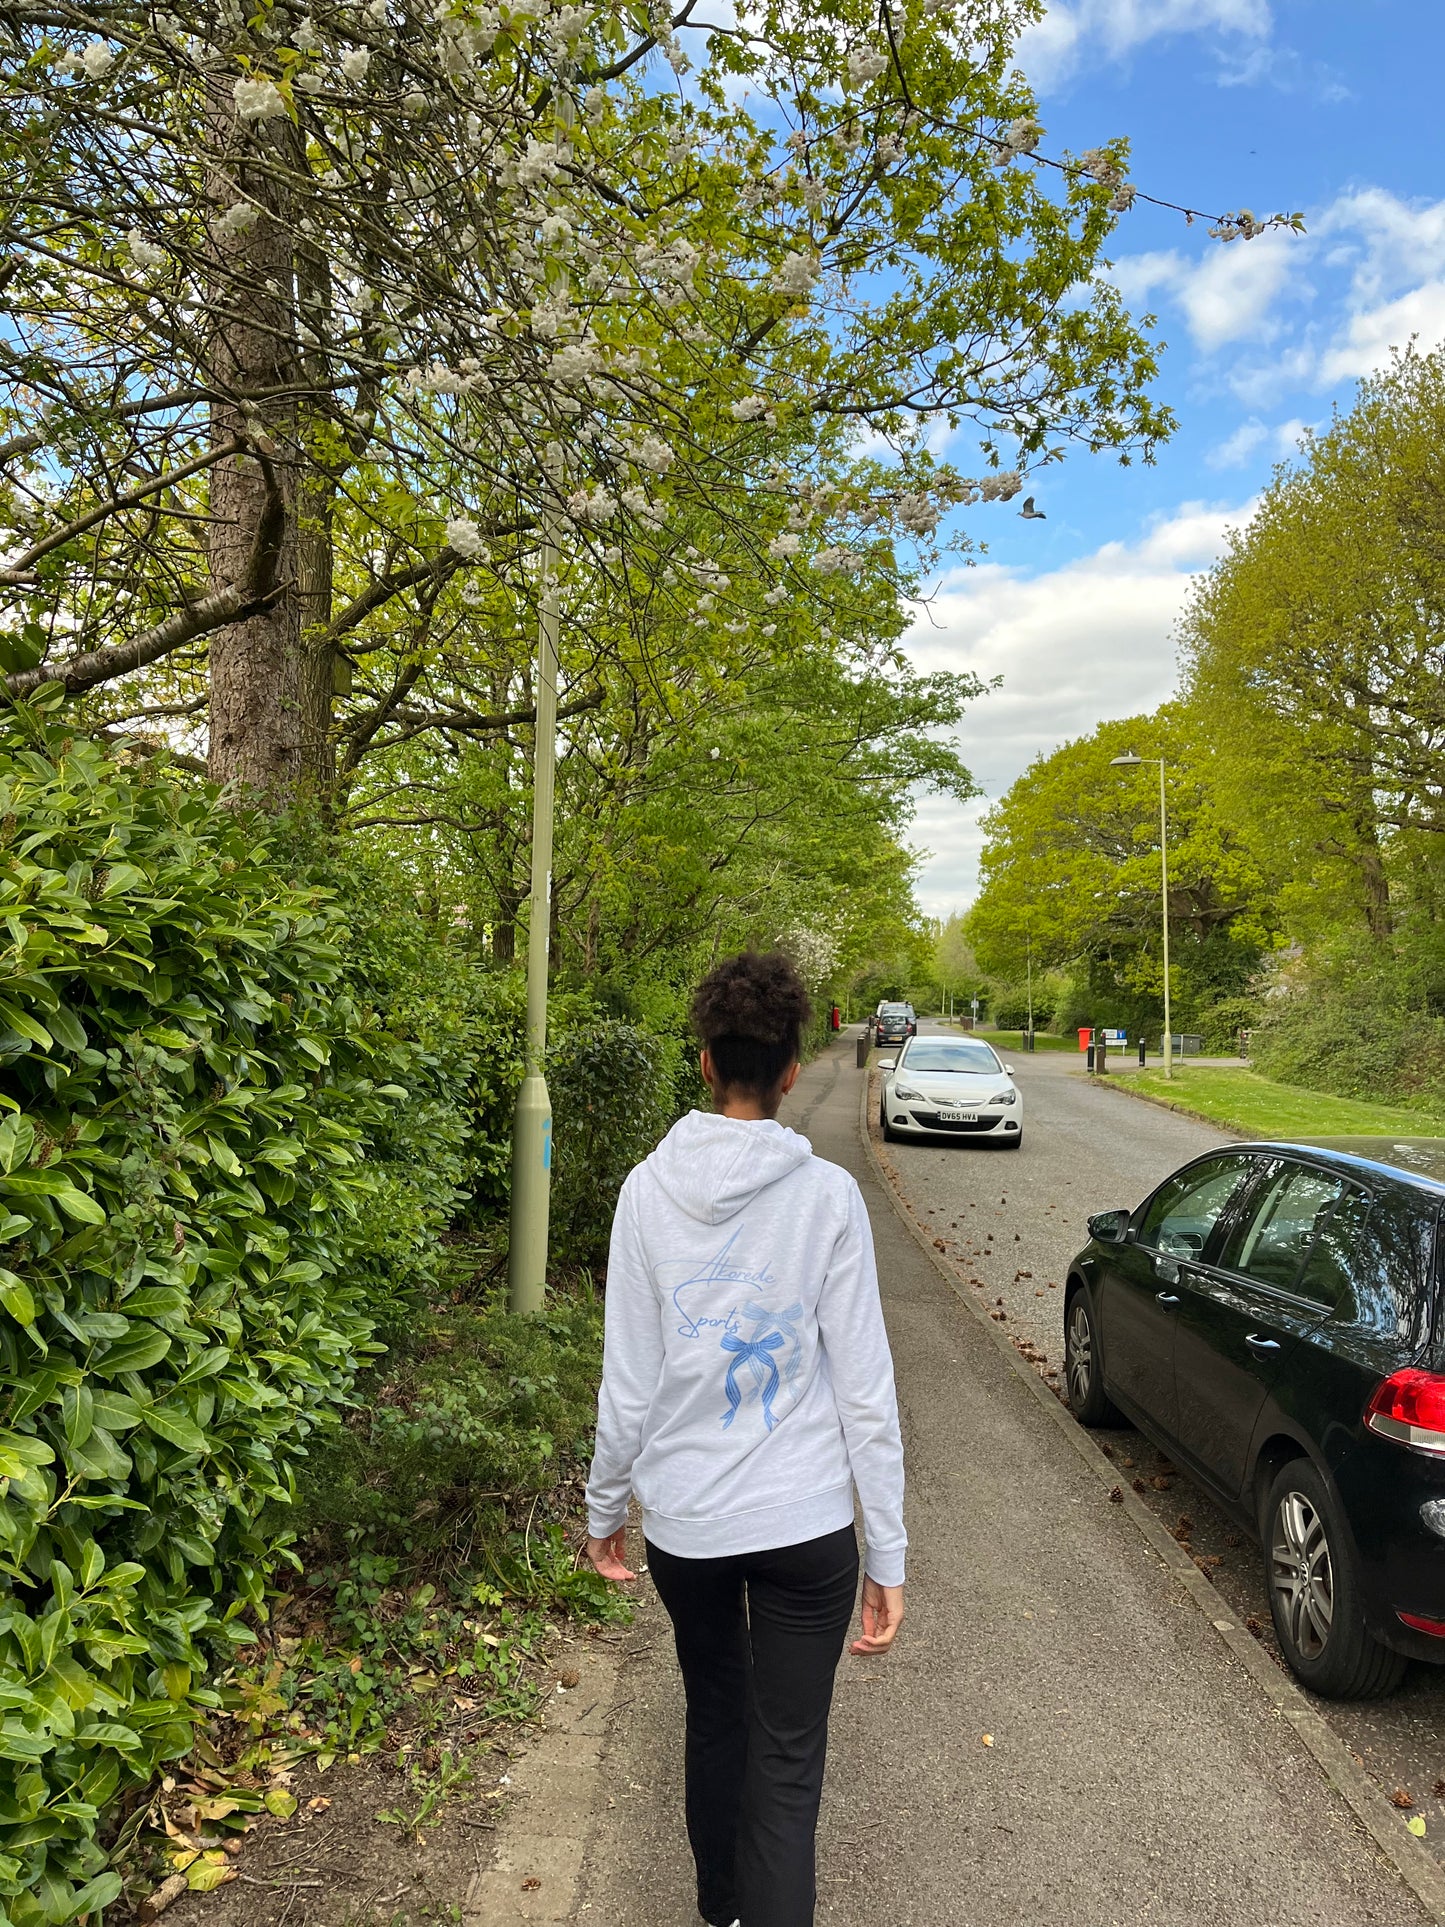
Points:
point(1071, 867)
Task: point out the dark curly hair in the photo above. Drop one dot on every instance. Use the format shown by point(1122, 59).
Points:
point(750, 1012)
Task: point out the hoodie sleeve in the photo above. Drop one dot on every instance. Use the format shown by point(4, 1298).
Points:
point(850, 1318)
point(631, 1368)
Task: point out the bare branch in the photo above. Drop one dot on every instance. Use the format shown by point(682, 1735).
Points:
point(19, 570)
point(254, 591)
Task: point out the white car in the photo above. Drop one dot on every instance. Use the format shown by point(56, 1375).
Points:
point(954, 1085)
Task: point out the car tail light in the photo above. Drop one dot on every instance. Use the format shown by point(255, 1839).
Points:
point(1409, 1406)
point(1417, 1621)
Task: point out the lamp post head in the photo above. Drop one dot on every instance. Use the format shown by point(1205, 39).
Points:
point(1128, 761)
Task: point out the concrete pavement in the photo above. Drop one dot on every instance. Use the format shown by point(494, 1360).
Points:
point(1135, 1775)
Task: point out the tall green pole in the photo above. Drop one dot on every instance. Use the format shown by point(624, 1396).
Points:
point(532, 1123)
point(1164, 915)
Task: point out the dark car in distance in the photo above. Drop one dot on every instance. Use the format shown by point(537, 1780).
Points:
point(1273, 1317)
point(894, 1024)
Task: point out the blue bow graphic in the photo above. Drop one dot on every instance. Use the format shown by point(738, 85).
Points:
point(755, 1352)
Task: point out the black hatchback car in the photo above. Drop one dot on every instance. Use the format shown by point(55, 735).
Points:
point(894, 1024)
point(1273, 1317)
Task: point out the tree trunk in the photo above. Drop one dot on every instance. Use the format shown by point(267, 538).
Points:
point(318, 677)
point(255, 739)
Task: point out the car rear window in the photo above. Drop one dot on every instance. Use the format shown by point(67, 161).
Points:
point(1381, 1248)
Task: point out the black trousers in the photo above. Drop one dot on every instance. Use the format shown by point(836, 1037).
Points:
point(759, 1636)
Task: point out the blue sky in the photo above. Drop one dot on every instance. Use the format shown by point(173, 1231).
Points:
point(1328, 106)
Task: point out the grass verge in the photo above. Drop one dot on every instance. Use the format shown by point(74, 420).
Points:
point(1043, 1040)
point(1241, 1100)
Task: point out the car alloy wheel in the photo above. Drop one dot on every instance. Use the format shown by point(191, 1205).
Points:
point(1079, 1351)
point(1082, 1376)
point(1302, 1573)
point(1315, 1597)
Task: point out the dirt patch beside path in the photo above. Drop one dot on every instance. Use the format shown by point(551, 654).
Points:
point(503, 1847)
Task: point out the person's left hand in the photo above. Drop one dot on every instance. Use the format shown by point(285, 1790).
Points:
point(606, 1557)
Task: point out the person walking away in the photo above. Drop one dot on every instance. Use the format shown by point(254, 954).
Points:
point(747, 1391)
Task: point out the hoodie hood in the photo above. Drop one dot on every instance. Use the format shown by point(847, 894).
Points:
point(712, 1167)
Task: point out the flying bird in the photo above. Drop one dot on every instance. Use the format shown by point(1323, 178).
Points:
point(1030, 513)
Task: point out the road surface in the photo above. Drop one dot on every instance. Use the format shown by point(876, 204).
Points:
point(1136, 1775)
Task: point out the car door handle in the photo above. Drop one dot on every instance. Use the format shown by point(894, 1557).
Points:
point(1166, 1297)
point(1258, 1344)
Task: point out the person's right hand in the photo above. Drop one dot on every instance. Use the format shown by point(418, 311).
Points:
point(881, 1615)
point(608, 1557)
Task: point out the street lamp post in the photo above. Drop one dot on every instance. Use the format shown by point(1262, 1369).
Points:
point(532, 1119)
point(1131, 761)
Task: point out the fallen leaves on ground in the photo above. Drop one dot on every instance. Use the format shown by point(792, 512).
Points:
point(1400, 1798)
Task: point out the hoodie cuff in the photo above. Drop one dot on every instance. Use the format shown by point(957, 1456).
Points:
point(884, 1568)
point(603, 1528)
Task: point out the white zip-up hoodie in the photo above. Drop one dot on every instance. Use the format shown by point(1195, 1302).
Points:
point(747, 1384)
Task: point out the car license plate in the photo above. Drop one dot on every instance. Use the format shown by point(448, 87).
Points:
point(960, 1117)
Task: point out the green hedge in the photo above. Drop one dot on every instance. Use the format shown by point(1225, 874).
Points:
point(186, 1269)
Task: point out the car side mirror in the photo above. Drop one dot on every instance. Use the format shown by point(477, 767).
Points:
point(1008, 1070)
point(887, 1063)
point(1109, 1227)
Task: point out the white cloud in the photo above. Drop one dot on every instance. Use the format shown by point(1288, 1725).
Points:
point(1370, 270)
point(1228, 294)
point(1070, 35)
point(1366, 341)
point(1254, 436)
point(1075, 646)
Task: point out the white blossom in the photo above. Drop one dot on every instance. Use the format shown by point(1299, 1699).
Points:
point(556, 231)
point(653, 452)
point(574, 362)
point(639, 503)
point(258, 100)
point(612, 556)
point(573, 22)
point(784, 545)
point(310, 83)
point(415, 104)
point(918, 514)
point(306, 40)
point(594, 103)
point(238, 219)
point(1002, 487)
point(354, 63)
point(143, 252)
point(540, 163)
point(865, 65)
point(779, 594)
point(797, 273)
point(97, 60)
point(594, 506)
point(1022, 137)
point(770, 628)
point(465, 537)
point(1101, 167)
point(713, 755)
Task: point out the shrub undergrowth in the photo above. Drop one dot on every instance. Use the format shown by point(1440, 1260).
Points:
point(236, 1123)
